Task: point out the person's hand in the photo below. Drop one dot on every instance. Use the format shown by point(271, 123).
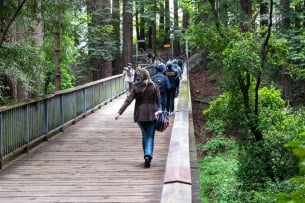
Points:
point(157, 113)
point(117, 116)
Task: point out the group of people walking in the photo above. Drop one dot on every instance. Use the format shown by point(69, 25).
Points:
point(152, 95)
point(167, 77)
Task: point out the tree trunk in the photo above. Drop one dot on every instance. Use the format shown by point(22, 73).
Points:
point(246, 7)
point(185, 19)
point(162, 21)
point(127, 31)
point(38, 28)
point(100, 50)
point(167, 21)
point(57, 47)
point(285, 5)
point(177, 50)
point(263, 11)
point(154, 28)
point(116, 63)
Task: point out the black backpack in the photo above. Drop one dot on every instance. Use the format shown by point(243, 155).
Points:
point(162, 121)
point(159, 80)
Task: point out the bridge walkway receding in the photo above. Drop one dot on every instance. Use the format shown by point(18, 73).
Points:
point(98, 159)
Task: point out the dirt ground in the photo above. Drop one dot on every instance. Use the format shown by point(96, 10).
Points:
point(202, 89)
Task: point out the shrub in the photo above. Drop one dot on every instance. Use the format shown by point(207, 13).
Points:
point(218, 170)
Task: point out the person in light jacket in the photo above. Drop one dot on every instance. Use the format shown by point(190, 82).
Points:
point(128, 77)
point(147, 104)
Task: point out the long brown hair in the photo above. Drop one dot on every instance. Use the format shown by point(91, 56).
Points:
point(145, 77)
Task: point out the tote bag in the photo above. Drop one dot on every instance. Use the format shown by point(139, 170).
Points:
point(162, 121)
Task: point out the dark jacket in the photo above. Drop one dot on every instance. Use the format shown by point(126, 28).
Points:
point(172, 75)
point(162, 81)
point(147, 98)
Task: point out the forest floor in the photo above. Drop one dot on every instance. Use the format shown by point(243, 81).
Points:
point(203, 88)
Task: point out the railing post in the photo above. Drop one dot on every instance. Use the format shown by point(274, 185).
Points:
point(46, 119)
point(1, 142)
point(75, 103)
point(62, 112)
point(85, 102)
point(27, 127)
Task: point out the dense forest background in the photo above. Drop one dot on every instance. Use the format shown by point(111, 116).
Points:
point(253, 149)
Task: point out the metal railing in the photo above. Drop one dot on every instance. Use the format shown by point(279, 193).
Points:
point(25, 124)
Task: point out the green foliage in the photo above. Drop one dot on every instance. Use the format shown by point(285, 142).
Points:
point(224, 113)
point(208, 37)
point(264, 163)
point(298, 195)
point(26, 64)
point(221, 179)
point(240, 58)
point(264, 167)
point(217, 145)
point(296, 41)
point(271, 108)
point(255, 169)
point(217, 171)
point(269, 162)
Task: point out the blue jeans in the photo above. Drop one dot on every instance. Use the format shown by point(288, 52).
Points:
point(127, 87)
point(163, 101)
point(148, 135)
point(170, 105)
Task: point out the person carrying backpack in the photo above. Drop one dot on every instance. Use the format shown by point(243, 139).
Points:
point(163, 83)
point(177, 69)
point(172, 75)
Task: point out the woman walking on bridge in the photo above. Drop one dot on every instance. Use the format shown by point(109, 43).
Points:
point(147, 96)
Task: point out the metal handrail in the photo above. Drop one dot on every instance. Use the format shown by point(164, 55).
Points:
point(23, 125)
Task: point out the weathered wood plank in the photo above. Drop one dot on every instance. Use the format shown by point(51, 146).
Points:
point(96, 160)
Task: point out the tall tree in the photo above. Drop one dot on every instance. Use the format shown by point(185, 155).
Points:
point(167, 21)
point(6, 22)
point(263, 13)
point(285, 5)
point(100, 44)
point(246, 8)
point(57, 45)
point(176, 44)
point(116, 63)
point(154, 26)
point(38, 28)
point(162, 20)
point(127, 31)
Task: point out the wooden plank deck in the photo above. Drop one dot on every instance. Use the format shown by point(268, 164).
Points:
point(98, 159)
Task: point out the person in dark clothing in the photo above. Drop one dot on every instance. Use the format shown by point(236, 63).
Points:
point(147, 105)
point(171, 93)
point(177, 69)
point(163, 83)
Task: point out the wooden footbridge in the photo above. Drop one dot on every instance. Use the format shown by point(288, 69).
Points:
point(69, 148)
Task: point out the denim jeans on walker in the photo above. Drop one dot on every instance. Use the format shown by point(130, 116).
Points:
point(148, 134)
point(127, 87)
point(163, 101)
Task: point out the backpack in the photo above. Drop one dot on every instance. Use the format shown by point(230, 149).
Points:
point(159, 80)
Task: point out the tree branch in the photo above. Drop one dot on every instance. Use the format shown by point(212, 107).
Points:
point(11, 21)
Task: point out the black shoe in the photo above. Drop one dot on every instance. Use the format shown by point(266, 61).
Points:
point(147, 161)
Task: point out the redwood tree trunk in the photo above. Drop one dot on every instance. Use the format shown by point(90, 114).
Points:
point(57, 47)
point(127, 31)
point(116, 63)
point(177, 50)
